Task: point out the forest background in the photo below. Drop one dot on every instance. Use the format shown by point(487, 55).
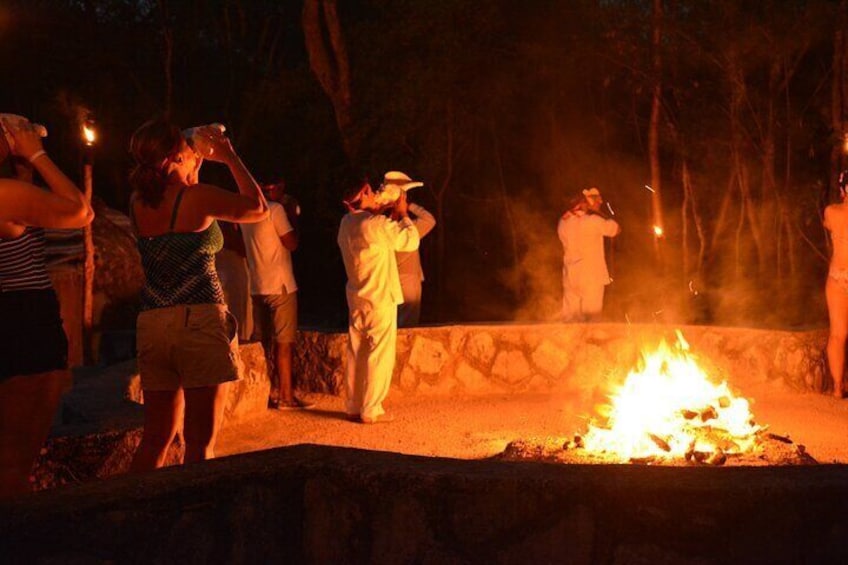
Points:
point(723, 122)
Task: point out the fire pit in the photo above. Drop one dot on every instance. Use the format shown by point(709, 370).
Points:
point(669, 412)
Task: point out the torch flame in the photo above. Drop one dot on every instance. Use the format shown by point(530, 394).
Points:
point(669, 408)
point(658, 231)
point(88, 134)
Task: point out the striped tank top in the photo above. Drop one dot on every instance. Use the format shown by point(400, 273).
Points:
point(179, 267)
point(22, 262)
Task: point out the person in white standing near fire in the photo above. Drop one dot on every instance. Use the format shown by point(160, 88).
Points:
point(368, 241)
point(581, 231)
point(409, 262)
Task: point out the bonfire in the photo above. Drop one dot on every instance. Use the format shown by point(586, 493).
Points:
point(668, 411)
point(667, 407)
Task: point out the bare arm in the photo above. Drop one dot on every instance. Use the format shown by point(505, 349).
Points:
point(249, 206)
point(28, 205)
point(64, 207)
point(828, 218)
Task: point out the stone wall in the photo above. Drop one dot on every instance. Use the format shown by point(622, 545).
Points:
point(482, 359)
point(316, 504)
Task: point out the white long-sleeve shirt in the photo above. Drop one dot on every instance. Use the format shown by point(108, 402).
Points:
point(368, 243)
point(582, 237)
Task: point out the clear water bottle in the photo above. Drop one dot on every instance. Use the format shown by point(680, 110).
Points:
point(198, 138)
point(17, 122)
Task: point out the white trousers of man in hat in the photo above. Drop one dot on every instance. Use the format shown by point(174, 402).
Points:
point(368, 242)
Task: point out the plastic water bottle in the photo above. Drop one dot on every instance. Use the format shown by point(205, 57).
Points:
point(198, 138)
point(18, 122)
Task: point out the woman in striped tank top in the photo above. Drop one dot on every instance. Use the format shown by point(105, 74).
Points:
point(185, 337)
point(33, 346)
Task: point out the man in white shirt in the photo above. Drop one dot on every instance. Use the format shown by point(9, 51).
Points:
point(368, 241)
point(581, 231)
point(268, 245)
point(410, 271)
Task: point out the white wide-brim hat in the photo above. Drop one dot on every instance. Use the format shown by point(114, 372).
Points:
point(401, 180)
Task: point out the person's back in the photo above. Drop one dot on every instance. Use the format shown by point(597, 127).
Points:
point(368, 251)
point(186, 338)
point(582, 236)
point(179, 267)
point(581, 231)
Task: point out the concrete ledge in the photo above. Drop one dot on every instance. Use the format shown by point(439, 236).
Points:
point(333, 505)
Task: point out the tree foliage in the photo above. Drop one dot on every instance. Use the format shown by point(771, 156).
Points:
point(505, 110)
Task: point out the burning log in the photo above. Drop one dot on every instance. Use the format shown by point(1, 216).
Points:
point(660, 442)
point(708, 413)
point(717, 458)
point(782, 439)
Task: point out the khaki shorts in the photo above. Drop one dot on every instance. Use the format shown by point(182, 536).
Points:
point(188, 346)
point(276, 316)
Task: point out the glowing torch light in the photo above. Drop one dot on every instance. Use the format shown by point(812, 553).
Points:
point(89, 136)
point(658, 231)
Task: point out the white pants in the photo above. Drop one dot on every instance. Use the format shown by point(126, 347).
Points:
point(370, 359)
point(581, 302)
point(409, 313)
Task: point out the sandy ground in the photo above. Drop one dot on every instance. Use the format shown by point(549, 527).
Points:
point(478, 427)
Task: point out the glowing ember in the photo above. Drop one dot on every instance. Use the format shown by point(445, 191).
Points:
point(658, 231)
point(668, 408)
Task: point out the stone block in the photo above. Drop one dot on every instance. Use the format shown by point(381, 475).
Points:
point(480, 348)
point(470, 379)
point(511, 367)
point(428, 356)
point(549, 358)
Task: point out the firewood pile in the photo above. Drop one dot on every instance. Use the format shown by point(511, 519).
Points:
point(769, 449)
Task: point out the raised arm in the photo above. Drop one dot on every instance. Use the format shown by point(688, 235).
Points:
point(249, 205)
point(64, 206)
point(609, 228)
point(423, 220)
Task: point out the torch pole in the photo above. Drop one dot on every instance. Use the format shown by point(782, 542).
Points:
point(88, 265)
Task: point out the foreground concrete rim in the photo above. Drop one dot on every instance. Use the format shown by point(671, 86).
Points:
point(318, 504)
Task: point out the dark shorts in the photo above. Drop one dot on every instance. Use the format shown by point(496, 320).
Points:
point(32, 339)
point(275, 316)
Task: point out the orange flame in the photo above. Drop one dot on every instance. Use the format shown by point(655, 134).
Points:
point(88, 134)
point(660, 408)
point(658, 231)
